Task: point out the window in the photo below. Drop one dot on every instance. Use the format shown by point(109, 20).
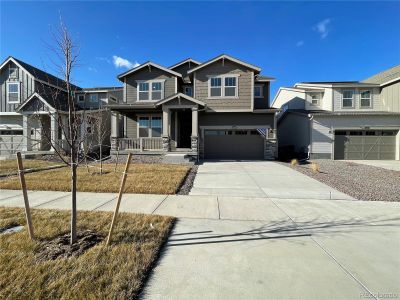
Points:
point(347, 99)
point(156, 92)
point(258, 91)
point(230, 87)
point(13, 72)
point(315, 97)
point(93, 97)
point(150, 126)
point(188, 90)
point(365, 99)
point(215, 87)
point(81, 98)
point(13, 92)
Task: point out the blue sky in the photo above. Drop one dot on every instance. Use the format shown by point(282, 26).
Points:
point(292, 41)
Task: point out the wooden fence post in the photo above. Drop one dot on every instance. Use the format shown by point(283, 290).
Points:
point(121, 189)
point(25, 194)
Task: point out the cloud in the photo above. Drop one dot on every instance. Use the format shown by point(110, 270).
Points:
point(323, 28)
point(92, 69)
point(120, 62)
point(299, 43)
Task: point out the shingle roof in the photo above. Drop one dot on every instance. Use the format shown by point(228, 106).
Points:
point(44, 76)
point(384, 76)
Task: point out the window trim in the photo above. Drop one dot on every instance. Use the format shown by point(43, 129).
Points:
point(97, 98)
point(370, 98)
point(352, 99)
point(261, 86)
point(9, 72)
point(78, 96)
point(150, 135)
point(223, 86)
point(319, 98)
point(150, 82)
point(8, 92)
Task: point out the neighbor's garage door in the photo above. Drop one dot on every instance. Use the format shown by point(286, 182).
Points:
point(366, 144)
point(10, 142)
point(233, 144)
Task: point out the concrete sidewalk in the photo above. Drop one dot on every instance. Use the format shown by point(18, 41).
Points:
point(229, 247)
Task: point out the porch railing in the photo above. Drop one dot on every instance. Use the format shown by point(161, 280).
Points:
point(138, 144)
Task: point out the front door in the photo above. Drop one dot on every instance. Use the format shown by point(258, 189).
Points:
point(184, 128)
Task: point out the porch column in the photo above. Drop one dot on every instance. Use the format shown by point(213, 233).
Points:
point(195, 129)
point(26, 130)
point(166, 119)
point(114, 130)
point(54, 129)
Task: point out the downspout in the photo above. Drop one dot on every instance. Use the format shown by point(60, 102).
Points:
point(310, 143)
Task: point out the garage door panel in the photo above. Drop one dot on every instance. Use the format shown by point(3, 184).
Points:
point(223, 144)
point(360, 145)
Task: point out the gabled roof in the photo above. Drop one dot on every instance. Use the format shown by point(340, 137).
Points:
point(225, 56)
point(180, 95)
point(385, 77)
point(37, 73)
point(148, 64)
point(33, 96)
point(183, 62)
point(261, 78)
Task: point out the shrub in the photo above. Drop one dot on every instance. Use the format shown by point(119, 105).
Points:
point(294, 162)
point(315, 167)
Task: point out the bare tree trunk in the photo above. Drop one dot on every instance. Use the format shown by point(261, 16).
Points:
point(101, 159)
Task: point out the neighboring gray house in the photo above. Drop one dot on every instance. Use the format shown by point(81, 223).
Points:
point(31, 100)
point(218, 109)
point(342, 120)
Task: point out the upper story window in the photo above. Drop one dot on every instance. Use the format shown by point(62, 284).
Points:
point(315, 98)
point(150, 126)
point(348, 99)
point(156, 92)
point(94, 98)
point(13, 92)
point(258, 91)
point(188, 90)
point(225, 86)
point(13, 72)
point(365, 99)
point(81, 98)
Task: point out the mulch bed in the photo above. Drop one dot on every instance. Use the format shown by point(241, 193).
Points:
point(60, 247)
point(187, 183)
point(362, 182)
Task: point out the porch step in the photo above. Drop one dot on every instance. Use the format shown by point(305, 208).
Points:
point(179, 158)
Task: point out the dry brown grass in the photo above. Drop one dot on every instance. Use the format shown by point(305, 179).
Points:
point(115, 272)
point(142, 178)
point(315, 167)
point(294, 162)
point(10, 166)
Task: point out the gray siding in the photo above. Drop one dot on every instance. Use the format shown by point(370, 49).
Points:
point(182, 69)
point(146, 74)
point(26, 87)
point(243, 102)
point(294, 129)
point(239, 119)
point(337, 100)
point(390, 97)
point(323, 127)
point(102, 97)
point(131, 126)
point(260, 103)
point(11, 121)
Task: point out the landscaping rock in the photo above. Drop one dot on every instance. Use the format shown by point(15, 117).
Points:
point(188, 181)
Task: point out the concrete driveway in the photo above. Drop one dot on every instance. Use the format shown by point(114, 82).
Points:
point(393, 165)
point(259, 179)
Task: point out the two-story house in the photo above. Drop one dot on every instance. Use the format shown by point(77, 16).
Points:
point(31, 102)
point(342, 120)
point(218, 109)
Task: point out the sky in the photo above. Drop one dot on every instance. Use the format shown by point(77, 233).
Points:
point(291, 41)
